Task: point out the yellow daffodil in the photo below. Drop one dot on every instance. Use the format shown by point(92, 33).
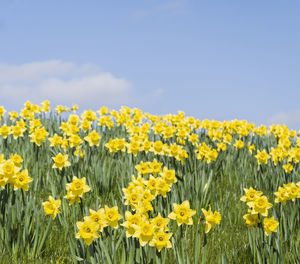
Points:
point(161, 240)
point(182, 213)
point(260, 206)
point(87, 230)
point(61, 161)
point(112, 216)
point(22, 180)
point(270, 225)
point(51, 207)
point(211, 219)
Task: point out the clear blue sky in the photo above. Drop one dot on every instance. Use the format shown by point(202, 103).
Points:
point(212, 59)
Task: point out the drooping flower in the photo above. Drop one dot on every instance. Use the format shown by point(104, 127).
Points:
point(251, 219)
point(211, 219)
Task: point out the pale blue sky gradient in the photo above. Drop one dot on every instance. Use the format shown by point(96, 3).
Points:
point(212, 59)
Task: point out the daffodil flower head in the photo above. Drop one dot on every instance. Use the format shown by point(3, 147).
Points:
point(182, 213)
point(211, 219)
point(270, 225)
point(87, 230)
point(51, 207)
point(250, 195)
point(161, 240)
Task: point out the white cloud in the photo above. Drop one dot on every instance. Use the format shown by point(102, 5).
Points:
point(62, 83)
point(291, 119)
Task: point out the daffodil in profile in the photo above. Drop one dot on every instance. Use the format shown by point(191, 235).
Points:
point(5, 131)
point(288, 167)
point(293, 191)
point(262, 157)
point(211, 219)
point(239, 144)
point(16, 159)
point(251, 219)
point(281, 195)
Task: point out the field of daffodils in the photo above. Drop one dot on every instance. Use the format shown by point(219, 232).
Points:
point(125, 186)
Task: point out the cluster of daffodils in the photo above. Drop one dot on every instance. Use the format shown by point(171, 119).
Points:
point(155, 231)
point(138, 195)
point(75, 132)
point(175, 136)
point(206, 153)
point(140, 144)
point(148, 230)
point(152, 133)
point(153, 180)
point(75, 191)
point(61, 109)
point(16, 130)
point(141, 191)
point(258, 206)
point(11, 173)
point(289, 191)
point(96, 222)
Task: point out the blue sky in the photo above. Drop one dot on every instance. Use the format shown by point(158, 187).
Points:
point(219, 60)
